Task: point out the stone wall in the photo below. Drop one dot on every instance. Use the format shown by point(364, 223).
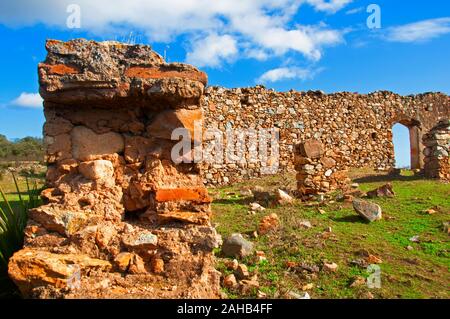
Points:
point(356, 127)
point(437, 150)
point(120, 219)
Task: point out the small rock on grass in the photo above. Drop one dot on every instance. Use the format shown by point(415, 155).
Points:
point(368, 295)
point(296, 295)
point(305, 224)
point(246, 192)
point(330, 267)
point(260, 257)
point(415, 239)
point(237, 246)
point(446, 227)
point(358, 282)
point(382, 191)
point(261, 295)
point(248, 285)
point(242, 272)
point(372, 259)
point(269, 223)
point(231, 264)
point(230, 281)
point(283, 197)
point(290, 264)
point(308, 287)
point(256, 207)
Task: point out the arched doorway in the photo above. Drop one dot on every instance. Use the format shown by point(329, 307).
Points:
point(407, 146)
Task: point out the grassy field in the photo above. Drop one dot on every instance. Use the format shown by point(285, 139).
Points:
point(17, 197)
point(408, 269)
point(8, 186)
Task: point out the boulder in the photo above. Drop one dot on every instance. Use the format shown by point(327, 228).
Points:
point(369, 211)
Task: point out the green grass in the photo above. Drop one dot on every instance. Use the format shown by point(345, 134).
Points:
point(14, 205)
point(422, 272)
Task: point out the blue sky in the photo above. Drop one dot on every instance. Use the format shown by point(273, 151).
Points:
point(283, 44)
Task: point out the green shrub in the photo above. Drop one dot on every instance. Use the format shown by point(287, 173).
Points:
point(13, 219)
point(25, 149)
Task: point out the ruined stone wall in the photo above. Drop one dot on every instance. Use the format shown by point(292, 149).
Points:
point(437, 151)
point(357, 128)
point(120, 219)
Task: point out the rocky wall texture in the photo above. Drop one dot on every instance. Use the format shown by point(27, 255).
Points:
point(356, 127)
point(318, 172)
point(120, 219)
point(437, 150)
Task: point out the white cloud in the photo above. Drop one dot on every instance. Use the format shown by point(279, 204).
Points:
point(212, 50)
point(257, 54)
point(29, 100)
point(286, 73)
point(419, 31)
point(264, 24)
point(354, 11)
point(331, 6)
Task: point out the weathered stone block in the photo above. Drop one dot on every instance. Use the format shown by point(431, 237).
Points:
point(101, 170)
point(87, 145)
point(311, 149)
point(166, 122)
point(34, 268)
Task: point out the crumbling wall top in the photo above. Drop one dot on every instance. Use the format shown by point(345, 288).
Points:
point(82, 70)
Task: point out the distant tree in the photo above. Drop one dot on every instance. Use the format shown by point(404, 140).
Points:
point(25, 149)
